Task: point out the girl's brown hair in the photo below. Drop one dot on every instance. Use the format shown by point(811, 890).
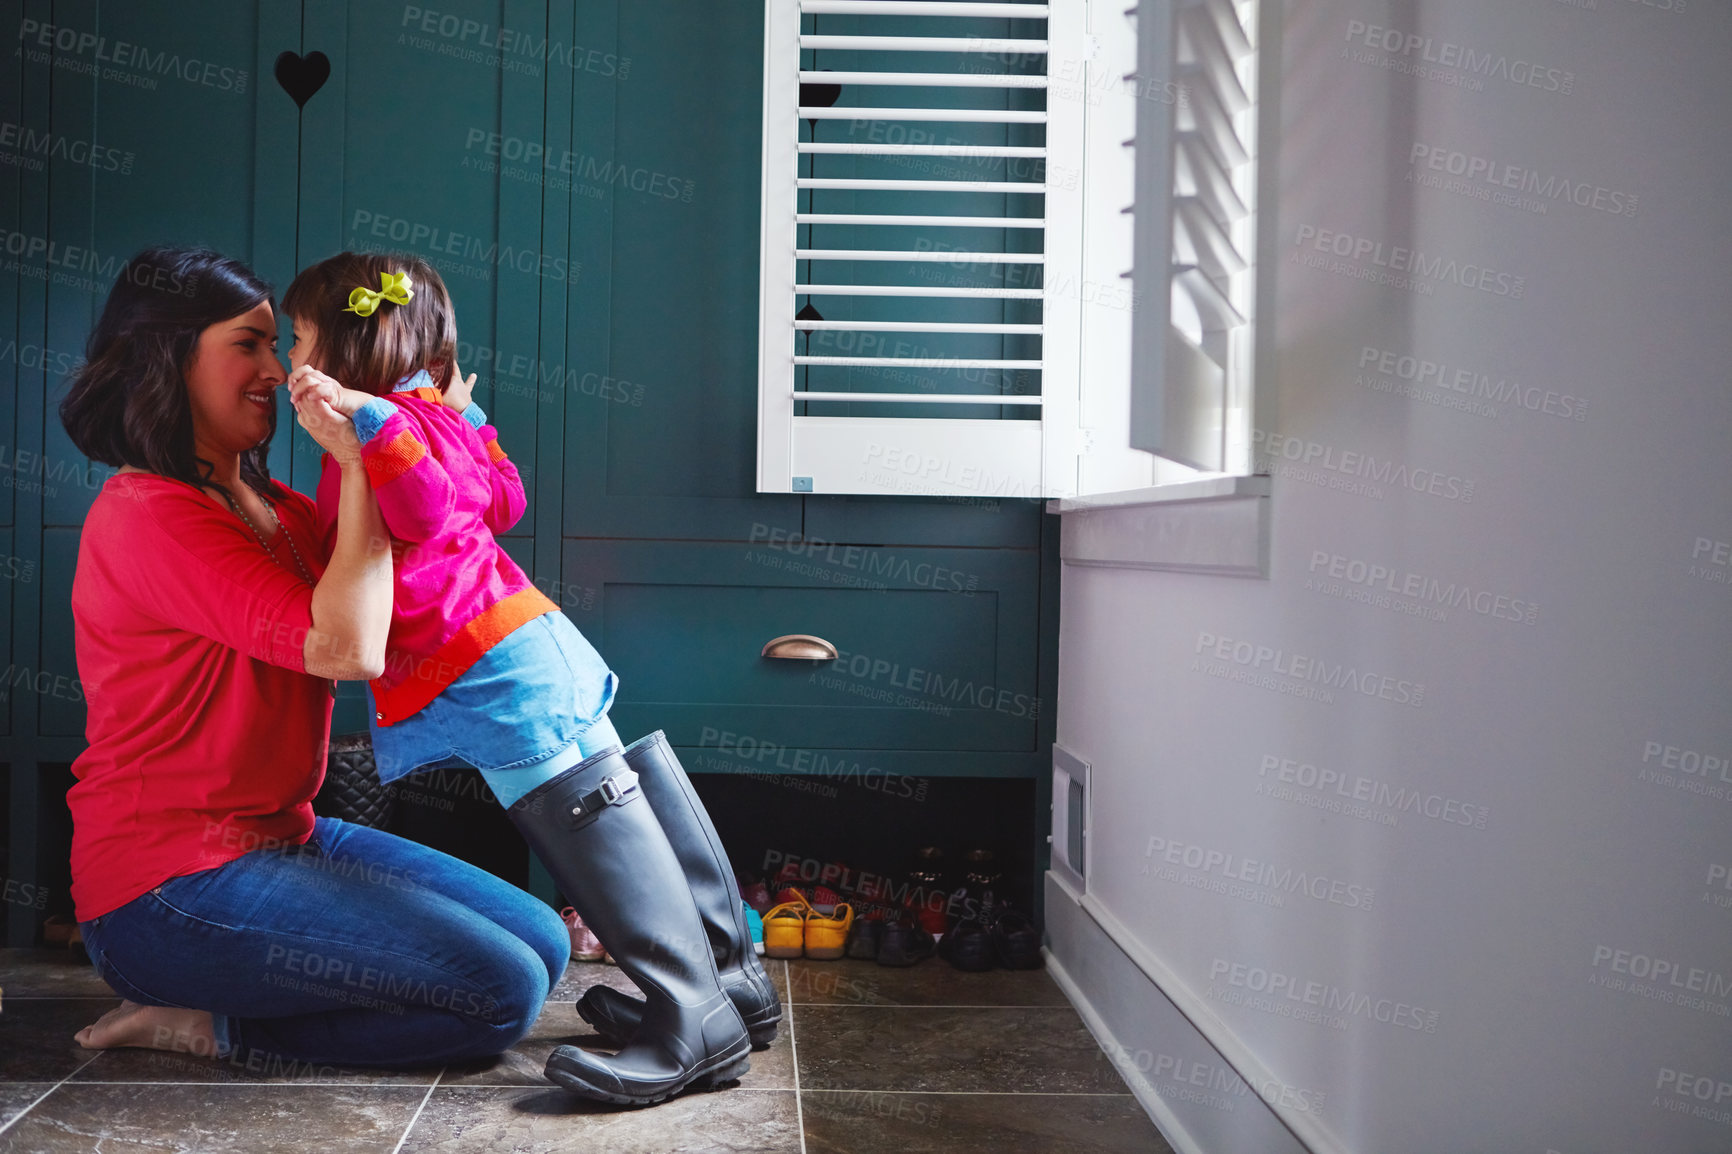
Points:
point(372, 353)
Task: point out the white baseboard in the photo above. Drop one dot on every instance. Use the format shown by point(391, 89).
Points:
point(1151, 1024)
point(1159, 1112)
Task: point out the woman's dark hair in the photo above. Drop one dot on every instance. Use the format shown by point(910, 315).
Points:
point(372, 353)
point(128, 404)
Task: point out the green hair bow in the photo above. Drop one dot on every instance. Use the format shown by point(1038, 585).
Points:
point(393, 286)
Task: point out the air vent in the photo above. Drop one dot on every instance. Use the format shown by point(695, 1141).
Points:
point(1070, 817)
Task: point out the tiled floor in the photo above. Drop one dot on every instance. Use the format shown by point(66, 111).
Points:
point(868, 1059)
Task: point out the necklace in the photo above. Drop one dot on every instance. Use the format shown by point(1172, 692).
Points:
point(283, 533)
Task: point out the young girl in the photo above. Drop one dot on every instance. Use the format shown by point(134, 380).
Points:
point(482, 667)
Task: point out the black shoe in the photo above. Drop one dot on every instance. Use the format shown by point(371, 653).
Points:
point(865, 939)
point(968, 946)
point(980, 885)
point(904, 944)
point(1016, 941)
point(595, 832)
point(615, 1015)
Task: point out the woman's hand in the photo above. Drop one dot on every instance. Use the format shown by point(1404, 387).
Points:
point(307, 380)
point(459, 392)
point(311, 393)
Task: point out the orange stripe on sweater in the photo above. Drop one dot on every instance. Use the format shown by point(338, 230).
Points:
point(494, 452)
point(394, 458)
point(432, 673)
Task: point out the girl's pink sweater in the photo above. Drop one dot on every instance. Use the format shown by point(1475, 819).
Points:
point(445, 488)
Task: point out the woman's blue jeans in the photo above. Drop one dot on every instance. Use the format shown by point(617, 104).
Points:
point(357, 948)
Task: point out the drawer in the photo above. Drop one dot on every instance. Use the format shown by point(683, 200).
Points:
point(938, 646)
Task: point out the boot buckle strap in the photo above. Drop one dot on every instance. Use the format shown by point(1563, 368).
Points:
point(618, 786)
point(615, 790)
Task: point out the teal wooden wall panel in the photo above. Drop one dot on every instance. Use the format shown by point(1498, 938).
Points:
point(32, 312)
point(276, 164)
point(54, 684)
point(14, 571)
point(322, 150)
point(16, 352)
point(72, 297)
point(514, 404)
point(662, 412)
point(324, 145)
point(938, 645)
point(685, 310)
point(170, 161)
point(548, 481)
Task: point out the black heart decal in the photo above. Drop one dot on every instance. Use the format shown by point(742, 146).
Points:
point(813, 95)
point(301, 76)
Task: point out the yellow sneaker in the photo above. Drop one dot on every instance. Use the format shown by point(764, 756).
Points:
point(785, 929)
point(827, 936)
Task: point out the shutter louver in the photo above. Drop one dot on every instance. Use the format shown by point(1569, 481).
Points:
point(920, 210)
point(1194, 230)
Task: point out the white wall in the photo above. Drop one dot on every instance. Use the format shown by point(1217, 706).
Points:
point(1567, 728)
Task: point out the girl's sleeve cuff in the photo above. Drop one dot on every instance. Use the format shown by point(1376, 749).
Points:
point(475, 415)
point(371, 417)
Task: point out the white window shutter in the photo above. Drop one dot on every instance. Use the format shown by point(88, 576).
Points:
point(921, 241)
point(1195, 223)
point(1110, 464)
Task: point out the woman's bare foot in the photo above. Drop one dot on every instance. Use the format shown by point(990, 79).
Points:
point(151, 1028)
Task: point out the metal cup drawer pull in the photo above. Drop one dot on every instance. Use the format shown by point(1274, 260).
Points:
point(799, 647)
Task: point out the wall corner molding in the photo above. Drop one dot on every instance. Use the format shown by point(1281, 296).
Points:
point(1221, 530)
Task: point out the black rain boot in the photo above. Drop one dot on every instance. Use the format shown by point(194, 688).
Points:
point(595, 831)
point(615, 1015)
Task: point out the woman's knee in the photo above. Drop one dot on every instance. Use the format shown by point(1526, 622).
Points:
point(508, 999)
point(517, 984)
point(542, 932)
point(546, 933)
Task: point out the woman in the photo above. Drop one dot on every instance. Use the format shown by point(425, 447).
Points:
point(229, 918)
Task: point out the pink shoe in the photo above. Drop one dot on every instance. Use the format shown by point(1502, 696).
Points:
point(757, 895)
point(585, 946)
